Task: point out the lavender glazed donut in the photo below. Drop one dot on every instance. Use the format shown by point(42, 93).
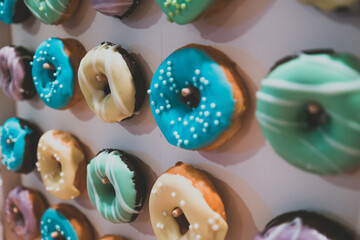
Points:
point(23, 209)
point(115, 8)
point(304, 225)
point(15, 73)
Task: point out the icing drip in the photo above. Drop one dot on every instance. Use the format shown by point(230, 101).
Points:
point(184, 11)
point(104, 66)
point(55, 87)
point(53, 221)
point(12, 72)
point(332, 81)
point(183, 126)
point(112, 7)
point(48, 11)
point(13, 138)
point(116, 201)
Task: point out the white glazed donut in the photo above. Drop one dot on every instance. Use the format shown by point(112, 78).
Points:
point(186, 188)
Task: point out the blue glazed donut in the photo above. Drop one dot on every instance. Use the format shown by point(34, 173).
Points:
point(13, 11)
point(221, 104)
point(53, 67)
point(64, 221)
point(18, 145)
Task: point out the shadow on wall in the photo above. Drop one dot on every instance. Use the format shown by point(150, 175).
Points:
point(244, 207)
point(81, 20)
point(145, 15)
point(249, 139)
point(142, 222)
point(234, 20)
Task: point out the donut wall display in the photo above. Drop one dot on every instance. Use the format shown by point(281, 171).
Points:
point(181, 119)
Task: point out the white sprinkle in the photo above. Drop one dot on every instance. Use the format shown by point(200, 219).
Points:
point(186, 142)
point(203, 99)
point(61, 86)
point(212, 105)
point(168, 74)
point(177, 136)
point(206, 124)
point(218, 114)
point(44, 148)
point(160, 78)
point(195, 136)
point(182, 203)
point(156, 85)
point(62, 174)
point(206, 113)
point(211, 221)
point(192, 129)
point(202, 106)
point(179, 119)
point(148, 91)
point(164, 82)
point(161, 108)
point(196, 226)
point(185, 123)
point(169, 68)
point(197, 71)
point(191, 117)
point(173, 194)
point(216, 122)
point(171, 79)
point(217, 216)
point(169, 63)
point(215, 227)
point(175, 133)
point(161, 71)
point(157, 111)
point(204, 130)
point(159, 184)
point(198, 237)
point(153, 191)
point(168, 106)
point(164, 213)
point(152, 103)
point(161, 95)
point(172, 122)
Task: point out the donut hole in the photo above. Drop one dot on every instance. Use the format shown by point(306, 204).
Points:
point(56, 167)
point(191, 96)
point(316, 115)
point(17, 215)
point(107, 89)
point(182, 222)
point(50, 71)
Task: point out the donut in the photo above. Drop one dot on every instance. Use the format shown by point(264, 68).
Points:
point(23, 210)
point(62, 164)
point(13, 11)
point(111, 237)
point(15, 73)
point(53, 70)
point(52, 11)
point(334, 5)
point(184, 204)
point(65, 222)
point(111, 82)
point(115, 8)
point(115, 185)
point(187, 11)
point(19, 139)
point(306, 109)
point(197, 98)
point(304, 225)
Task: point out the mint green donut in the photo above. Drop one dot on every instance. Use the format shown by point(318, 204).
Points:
point(332, 81)
point(120, 199)
point(52, 11)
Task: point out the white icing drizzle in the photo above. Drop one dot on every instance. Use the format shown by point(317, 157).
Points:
point(297, 223)
point(120, 103)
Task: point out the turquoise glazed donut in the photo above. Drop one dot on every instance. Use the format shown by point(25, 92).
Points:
point(13, 11)
point(201, 126)
point(115, 186)
point(53, 71)
point(308, 109)
point(18, 145)
point(186, 11)
point(64, 221)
